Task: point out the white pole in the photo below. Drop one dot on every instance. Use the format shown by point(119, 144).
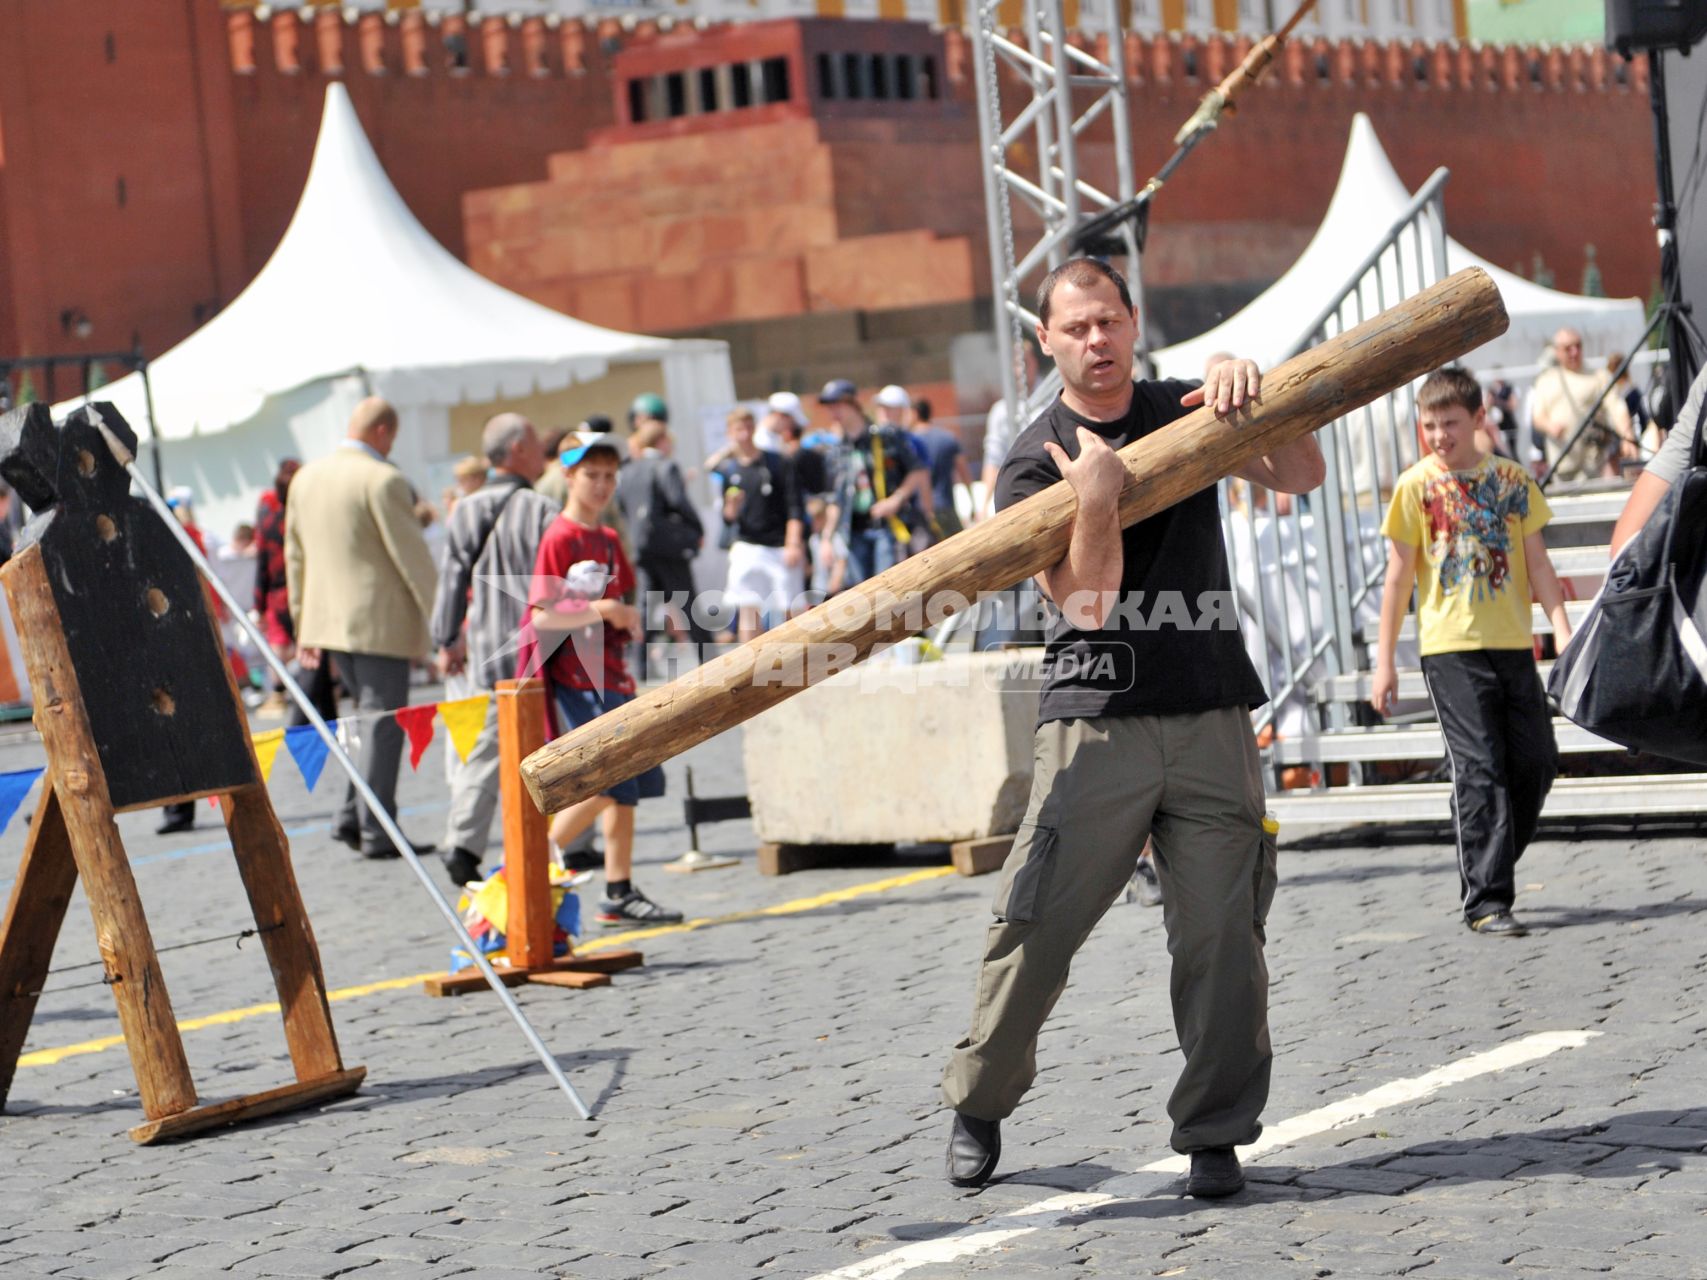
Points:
point(392, 830)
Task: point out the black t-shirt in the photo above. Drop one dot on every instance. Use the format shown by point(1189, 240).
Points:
point(770, 497)
point(812, 471)
point(1171, 644)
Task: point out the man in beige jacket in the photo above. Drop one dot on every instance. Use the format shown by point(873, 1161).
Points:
point(361, 584)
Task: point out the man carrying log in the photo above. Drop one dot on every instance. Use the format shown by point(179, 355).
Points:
point(1144, 731)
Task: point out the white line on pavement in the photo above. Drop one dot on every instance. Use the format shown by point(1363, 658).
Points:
point(1152, 1178)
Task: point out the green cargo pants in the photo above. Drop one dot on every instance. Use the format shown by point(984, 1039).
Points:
point(1099, 788)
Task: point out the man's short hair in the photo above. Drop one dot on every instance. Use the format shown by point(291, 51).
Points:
point(1452, 386)
point(371, 412)
point(1083, 272)
point(503, 432)
point(738, 414)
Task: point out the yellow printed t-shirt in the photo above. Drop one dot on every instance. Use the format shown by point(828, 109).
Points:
point(1469, 526)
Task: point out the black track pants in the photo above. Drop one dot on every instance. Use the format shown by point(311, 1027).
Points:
point(1499, 744)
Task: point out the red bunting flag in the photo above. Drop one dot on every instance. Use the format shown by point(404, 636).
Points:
point(417, 722)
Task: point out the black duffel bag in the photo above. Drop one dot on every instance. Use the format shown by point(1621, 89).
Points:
point(1636, 670)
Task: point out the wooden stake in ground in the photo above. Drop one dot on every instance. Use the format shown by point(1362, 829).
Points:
point(1307, 392)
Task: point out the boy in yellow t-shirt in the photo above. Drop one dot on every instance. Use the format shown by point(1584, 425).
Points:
point(1476, 520)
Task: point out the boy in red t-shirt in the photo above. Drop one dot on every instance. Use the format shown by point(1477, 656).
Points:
point(581, 622)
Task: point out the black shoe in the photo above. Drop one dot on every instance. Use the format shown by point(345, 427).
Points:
point(462, 865)
point(1215, 1173)
point(179, 817)
point(974, 1146)
point(634, 907)
point(1501, 924)
point(388, 850)
point(351, 836)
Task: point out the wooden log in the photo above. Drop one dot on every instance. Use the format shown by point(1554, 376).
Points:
point(40, 895)
point(527, 855)
point(1403, 343)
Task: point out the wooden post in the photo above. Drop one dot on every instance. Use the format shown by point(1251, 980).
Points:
point(531, 924)
point(1403, 343)
point(527, 856)
point(135, 702)
point(263, 860)
point(74, 770)
point(40, 896)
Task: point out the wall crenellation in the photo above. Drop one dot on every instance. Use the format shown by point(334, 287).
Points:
point(413, 42)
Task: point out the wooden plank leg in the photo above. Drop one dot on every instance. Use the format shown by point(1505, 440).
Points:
point(303, 1093)
point(263, 860)
point(74, 767)
point(568, 978)
point(979, 857)
point(40, 896)
point(470, 979)
point(601, 962)
point(559, 973)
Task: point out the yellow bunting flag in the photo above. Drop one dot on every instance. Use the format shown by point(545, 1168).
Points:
point(464, 718)
point(267, 750)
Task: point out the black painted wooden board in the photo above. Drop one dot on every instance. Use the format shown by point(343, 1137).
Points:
point(135, 614)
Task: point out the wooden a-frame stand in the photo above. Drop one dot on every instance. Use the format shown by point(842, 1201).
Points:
point(530, 927)
point(74, 834)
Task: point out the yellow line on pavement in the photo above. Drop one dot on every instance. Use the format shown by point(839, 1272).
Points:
point(47, 1057)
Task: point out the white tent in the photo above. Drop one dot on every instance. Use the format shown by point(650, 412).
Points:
point(1370, 197)
point(359, 299)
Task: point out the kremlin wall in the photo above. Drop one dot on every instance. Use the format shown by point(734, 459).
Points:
point(806, 189)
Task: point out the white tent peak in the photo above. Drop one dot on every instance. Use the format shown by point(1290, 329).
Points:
point(358, 285)
point(358, 298)
point(1369, 197)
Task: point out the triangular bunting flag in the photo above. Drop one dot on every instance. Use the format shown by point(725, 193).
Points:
point(417, 722)
point(464, 718)
point(267, 750)
point(13, 788)
point(306, 747)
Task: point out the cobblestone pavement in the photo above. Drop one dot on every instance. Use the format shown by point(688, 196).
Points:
point(765, 1087)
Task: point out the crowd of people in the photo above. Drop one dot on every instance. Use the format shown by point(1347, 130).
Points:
point(570, 554)
point(567, 555)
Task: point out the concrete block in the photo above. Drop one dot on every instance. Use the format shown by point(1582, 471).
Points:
point(885, 752)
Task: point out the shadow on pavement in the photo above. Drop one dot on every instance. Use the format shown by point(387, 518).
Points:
point(1660, 1139)
point(1545, 917)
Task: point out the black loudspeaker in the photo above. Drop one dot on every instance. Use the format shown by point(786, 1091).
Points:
point(1638, 26)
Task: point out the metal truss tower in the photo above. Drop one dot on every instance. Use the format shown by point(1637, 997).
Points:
point(1056, 93)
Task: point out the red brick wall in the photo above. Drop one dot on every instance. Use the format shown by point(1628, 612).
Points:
point(438, 134)
point(91, 96)
point(1543, 167)
point(213, 140)
point(1548, 153)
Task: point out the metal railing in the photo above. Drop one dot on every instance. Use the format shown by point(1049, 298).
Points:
point(1307, 571)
